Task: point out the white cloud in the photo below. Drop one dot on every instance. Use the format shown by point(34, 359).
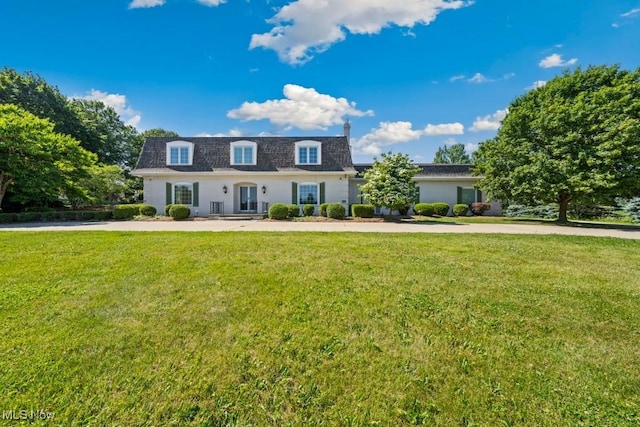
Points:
point(233, 132)
point(631, 13)
point(456, 78)
point(490, 122)
point(478, 78)
point(304, 28)
point(302, 107)
point(444, 129)
point(135, 4)
point(118, 102)
point(470, 147)
point(555, 60)
point(387, 133)
point(211, 2)
point(537, 84)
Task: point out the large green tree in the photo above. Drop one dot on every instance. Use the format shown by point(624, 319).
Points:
point(37, 164)
point(577, 138)
point(389, 181)
point(452, 154)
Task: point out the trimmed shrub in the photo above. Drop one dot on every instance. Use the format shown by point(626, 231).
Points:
point(335, 211)
point(362, 211)
point(440, 208)
point(7, 217)
point(460, 209)
point(102, 215)
point(179, 211)
point(308, 210)
point(28, 216)
point(278, 211)
point(322, 210)
point(478, 208)
point(148, 210)
point(294, 211)
point(522, 211)
point(167, 209)
point(125, 211)
point(39, 209)
point(425, 209)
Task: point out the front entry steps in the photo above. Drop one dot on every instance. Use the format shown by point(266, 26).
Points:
point(237, 217)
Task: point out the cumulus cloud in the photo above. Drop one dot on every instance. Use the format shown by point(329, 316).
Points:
point(478, 78)
point(304, 28)
point(490, 122)
point(470, 147)
point(233, 132)
point(555, 60)
point(118, 102)
point(135, 4)
point(537, 84)
point(301, 107)
point(444, 129)
point(387, 133)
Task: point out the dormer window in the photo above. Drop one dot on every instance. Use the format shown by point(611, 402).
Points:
point(243, 153)
point(179, 153)
point(308, 153)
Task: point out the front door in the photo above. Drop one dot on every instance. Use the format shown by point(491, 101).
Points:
point(248, 198)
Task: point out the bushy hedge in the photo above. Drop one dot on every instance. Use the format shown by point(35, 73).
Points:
point(167, 209)
point(147, 210)
point(335, 211)
point(308, 210)
point(440, 208)
point(179, 211)
point(294, 211)
point(278, 211)
point(478, 208)
point(425, 209)
point(56, 216)
point(125, 211)
point(522, 211)
point(460, 209)
point(362, 211)
point(322, 210)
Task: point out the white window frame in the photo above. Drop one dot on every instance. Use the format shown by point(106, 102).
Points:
point(302, 184)
point(308, 144)
point(185, 184)
point(181, 160)
point(243, 144)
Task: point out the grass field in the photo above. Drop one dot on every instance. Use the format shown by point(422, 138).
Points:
point(320, 329)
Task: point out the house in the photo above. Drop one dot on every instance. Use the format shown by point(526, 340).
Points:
point(243, 175)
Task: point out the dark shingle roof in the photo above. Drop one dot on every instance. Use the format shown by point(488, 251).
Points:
point(273, 154)
point(431, 169)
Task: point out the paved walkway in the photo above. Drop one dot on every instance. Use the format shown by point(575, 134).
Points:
point(341, 226)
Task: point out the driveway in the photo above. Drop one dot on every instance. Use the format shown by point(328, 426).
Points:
point(332, 226)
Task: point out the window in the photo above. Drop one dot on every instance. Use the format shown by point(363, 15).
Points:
point(183, 194)
point(308, 194)
point(466, 195)
point(308, 153)
point(179, 153)
point(243, 153)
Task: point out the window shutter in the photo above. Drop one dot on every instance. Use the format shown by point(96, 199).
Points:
point(294, 193)
point(169, 198)
point(417, 194)
point(459, 194)
point(478, 195)
point(322, 192)
point(196, 198)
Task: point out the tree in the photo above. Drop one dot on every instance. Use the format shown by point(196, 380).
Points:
point(453, 154)
point(576, 138)
point(36, 163)
point(389, 182)
point(107, 184)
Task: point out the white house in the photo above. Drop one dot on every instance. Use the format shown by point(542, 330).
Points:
point(244, 175)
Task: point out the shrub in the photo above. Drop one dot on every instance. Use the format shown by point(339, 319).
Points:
point(403, 210)
point(125, 211)
point(7, 217)
point(148, 210)
point(460, 209)
point(440, 208)
point(167, 209)
point(278, 211)
point(294, 211)
point(478, 208)
point(28, 216)
point(425, 209)
point(632, 207)
point(102, 215)
point(39, 209)
point(590, 211)
point(362, 211)
point(322, 210)
point(179, 211)
point(308, 210)
point(335, 211)
point(522, 211)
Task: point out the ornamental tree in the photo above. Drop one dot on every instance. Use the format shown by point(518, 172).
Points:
point(577, 138)
point(389, 182)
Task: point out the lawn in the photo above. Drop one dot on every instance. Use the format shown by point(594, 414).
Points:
point(110, 328)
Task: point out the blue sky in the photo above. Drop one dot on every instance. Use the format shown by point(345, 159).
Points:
point(411, 75)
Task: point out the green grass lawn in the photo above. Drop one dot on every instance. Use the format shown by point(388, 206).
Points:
point(109, 328)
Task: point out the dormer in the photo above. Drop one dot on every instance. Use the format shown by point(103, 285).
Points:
point(308, 152)
point(244, 153)
point(179, 153)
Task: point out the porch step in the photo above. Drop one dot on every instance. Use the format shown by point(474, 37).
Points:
point(236, 217)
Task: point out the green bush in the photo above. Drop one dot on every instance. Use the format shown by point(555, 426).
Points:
point(294, 211)
point(148, 210)
point(425, 209)
point(179, 212)
point(632, 208)
point(335, 211)
point(125, 211)
point(440, 208)
point(308, 210)
point(7, 217)
point(460, 209)
point(362, 211)
point(28, 216)
point(522, 211)
point(102, 215)
point(478, 208)
point(278, 211)
point(322, 210)
point(167, 209)
point(39, 209)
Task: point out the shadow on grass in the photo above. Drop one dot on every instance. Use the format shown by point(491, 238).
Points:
point(602, 225)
